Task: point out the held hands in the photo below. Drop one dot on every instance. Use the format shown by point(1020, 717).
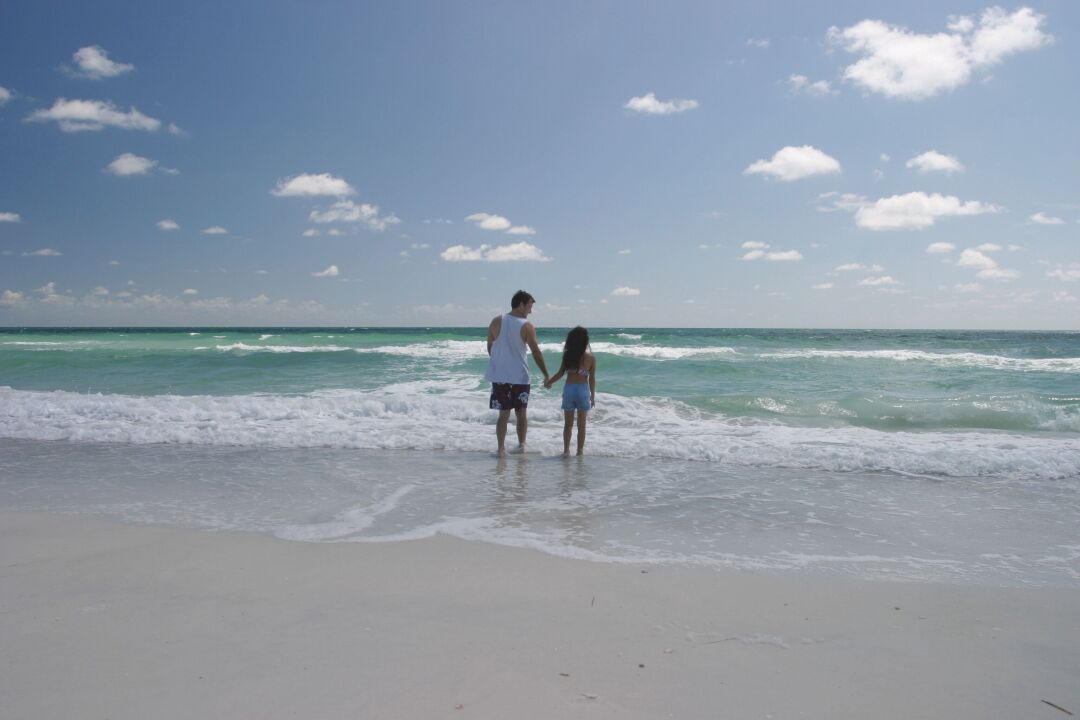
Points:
point(548, 382)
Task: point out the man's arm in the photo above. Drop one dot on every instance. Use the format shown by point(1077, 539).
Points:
point(493, 331)
point(528, 332)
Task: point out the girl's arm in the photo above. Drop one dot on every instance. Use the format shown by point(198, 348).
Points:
point(554, 378)
point(592, 380)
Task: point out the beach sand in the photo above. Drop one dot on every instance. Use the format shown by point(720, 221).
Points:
point(104, 620)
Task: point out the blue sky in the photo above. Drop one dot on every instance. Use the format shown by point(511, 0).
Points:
point(630, 163)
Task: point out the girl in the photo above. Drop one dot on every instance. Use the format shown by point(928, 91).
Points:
point(579, 393)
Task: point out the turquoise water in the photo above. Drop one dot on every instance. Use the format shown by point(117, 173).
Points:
point(920, 454)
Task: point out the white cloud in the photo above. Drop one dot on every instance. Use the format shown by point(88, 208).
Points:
point(801, 84)
point(915, 211)
point(311, 185)
point(10, 297)
point(348, 211)
point(93, 62)
point(114, 263)
point(794, 163)
point(758, 252)
point(516, 252)
point(625, 292)
point(79, 115)
point(901, 64)
point(1041, 218)
point(933, 161)
point(215, 230)
point(1062, 296)
point(967, 287)
point(878, 281)
point(758, 42)
point(128, 164)
point(334, 232)
point(10, 217)
point(649, 105)
point(331, 271)
point(884, 157)
point(849, 267)
point(624, 252)
point(43, 252)
point(311, 232)
point(5, 95)
point(784, 256)
point(940, 247)
point(100, 291)
point(989, 247)
point(1068, 273)
point(822, 286)
point(47, 289)
point(190, 291)
point(168, 224)
point(521, 230)
point(487, 221)
point(986, 266)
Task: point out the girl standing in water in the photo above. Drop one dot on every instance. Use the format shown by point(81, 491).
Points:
point(579, 393)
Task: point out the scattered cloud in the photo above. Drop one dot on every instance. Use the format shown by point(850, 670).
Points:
point(43, 252)
point(967, 288)
point(129, 164)
point(624, 251)
point(215, 230)
point(190, 291)
point(349, 212)
point(1041, 218)
point(311, 232)
point(822, 286)
point(5, 95)
point(878, 281)
point(851, 267)
point(916, 211)
point(987, 268)
point(801, 85)
point(1067, 273)
point(331, 271)
point(1062, 296)
point(521, 230)
point(624, 291)
point(758, 252)
point(312, 185)
point(901, 64)
point(81, 115)
point(758, 42)
point(114, 263)
point(168, 225)
point(10, 297)
point(649, 105)
point(833, 201)
point(794, 163)
point(93, 62)
point(10, 217)
point(884, 157)
point(989, 247)
point(933, 161)
point(515, 252)
point(940, 247)
point(488, 221)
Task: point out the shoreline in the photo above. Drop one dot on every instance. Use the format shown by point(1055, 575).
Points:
point(125, 621)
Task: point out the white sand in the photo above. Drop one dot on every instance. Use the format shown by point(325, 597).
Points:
point(100, 620)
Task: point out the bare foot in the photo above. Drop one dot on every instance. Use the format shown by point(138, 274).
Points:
point(501, 452)
point(566, 453)
point(519, 450)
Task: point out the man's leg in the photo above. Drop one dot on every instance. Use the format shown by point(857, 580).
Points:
point(500, 430)
point(522, 425)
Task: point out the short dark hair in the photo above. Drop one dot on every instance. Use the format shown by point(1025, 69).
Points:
point(521, 298)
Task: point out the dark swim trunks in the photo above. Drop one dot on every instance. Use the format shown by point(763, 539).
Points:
point(505, 396)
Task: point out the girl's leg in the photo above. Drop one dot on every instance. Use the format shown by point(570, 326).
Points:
point(567, 431)
point(581, 415)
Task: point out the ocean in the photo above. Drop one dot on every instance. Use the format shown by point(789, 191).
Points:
point(938, 456)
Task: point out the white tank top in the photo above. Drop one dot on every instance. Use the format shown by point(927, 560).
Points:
point(508, 363)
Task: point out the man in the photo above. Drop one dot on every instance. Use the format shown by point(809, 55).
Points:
point(508, 368)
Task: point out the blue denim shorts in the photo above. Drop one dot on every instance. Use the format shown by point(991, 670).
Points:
point(576, 397)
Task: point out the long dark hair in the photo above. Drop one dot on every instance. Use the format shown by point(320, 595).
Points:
point(577, 341)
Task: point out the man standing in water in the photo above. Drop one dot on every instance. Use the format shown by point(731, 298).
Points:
point(508, 368)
